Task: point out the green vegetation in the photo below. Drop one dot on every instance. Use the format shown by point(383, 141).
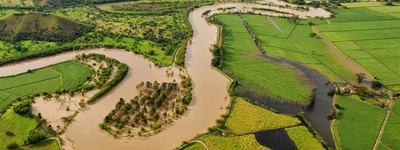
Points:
point(243, 62)
point(247, 118)
point(45, 145)
point(244, 142)
point(36, 26)
point(360, 123)
point(273, 34)
point(194, 146)
point(391, 135)
point(362, 4)
point(303, 139)
point(62, 77)
point(367, 35)
point(19, 127)
point(396, 108)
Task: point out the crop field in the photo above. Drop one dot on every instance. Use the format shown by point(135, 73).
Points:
point(391, 136)
point(248, 118)
point(67, 75)
point(396, 108)
point(300, 47)
point(371, 42)
point(303, 139)
point(362, 4)
point(256, 74)
point(18, 125)
point(244, 142)
point(360, 123)
point(46, 145)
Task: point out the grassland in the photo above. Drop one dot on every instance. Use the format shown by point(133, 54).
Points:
point(45, 145)
point(303, 139)
point(244, 142)
point(63, 76)
point(396, 108)
point(18, 125)
point(300, 47)
point(391, 136)
point(248, 118)
point(362, 4)
point(258, 76)
point(360, 123)
point(368, 36)
point(37, 26)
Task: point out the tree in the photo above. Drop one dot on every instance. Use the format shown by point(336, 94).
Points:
point(23, 108)
point(360, 77)
point(376, 84)
point(35, 136)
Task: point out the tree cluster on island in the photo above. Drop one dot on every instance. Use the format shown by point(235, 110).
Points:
point(156, 105)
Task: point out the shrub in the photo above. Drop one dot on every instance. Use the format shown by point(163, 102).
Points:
point(376, 84)
point(35, 136)
point(12, 145)
point(331, 92)
point(23, 108)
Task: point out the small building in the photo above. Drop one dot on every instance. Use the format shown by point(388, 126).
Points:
point(353, 90)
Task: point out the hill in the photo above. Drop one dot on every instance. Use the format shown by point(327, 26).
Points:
point(37, 26)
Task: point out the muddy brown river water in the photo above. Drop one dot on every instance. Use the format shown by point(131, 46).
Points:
point(210, 96)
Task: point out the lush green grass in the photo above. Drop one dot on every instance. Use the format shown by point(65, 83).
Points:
point(360, 123)
point(248, 118)
point(67, 75)
point(369, 37)
point(245, 142)
point(194, 146)
point(391, 136)
point(46, 145)
point(300, 47)
point(256, 74)
point(18, 125)
point(303, 139)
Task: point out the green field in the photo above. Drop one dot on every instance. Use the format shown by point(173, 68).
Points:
point(360, 123)
point(46, 145)
point(257, 75)
point(391, 136)
point(396, 108)
point(362, 4)
point(300, 47)
point(248, 118)
point(369, 36)
point(303, 139)
point(68, 75)
point(18, 125)
point(244, 142)
point(194, 146)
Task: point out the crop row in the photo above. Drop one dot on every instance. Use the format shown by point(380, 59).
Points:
point(27, 78)
point(73, 74)
point(244, 142)
point(303, 139)
point(360, 123)
point(248, 118)
point(391, 135)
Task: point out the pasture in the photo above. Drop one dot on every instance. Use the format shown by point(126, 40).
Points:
point(368, 36)
point(67, 75)
point(303, 139)
point(360, 123)
point(258, 76)
point(244, 142)
point(248, 118)
point(16, 124)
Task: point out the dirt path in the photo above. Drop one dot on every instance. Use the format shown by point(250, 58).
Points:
point(378, 139)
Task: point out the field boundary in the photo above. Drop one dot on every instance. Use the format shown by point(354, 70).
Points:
point(334, 124)
point(341, 53)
